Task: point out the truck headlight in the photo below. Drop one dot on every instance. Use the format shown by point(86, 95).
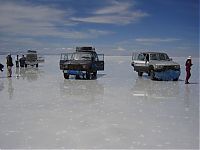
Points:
point(85, 67)
point(66, 65)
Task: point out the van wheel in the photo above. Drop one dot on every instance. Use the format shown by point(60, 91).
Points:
point(152, 75)
point(36, 65)
point(66, 76)
point(175, 79)
point(140, 73)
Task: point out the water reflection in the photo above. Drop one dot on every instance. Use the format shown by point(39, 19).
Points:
point(30, 74)
point(10, 88)
point(156, 89)
point(1, 85)
point(82, 90)
point(187, 97)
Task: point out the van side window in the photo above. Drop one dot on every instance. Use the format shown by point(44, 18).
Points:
point(141, 57)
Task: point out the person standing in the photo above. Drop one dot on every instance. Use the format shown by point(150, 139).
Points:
point(17, 61)
point(9, 65)
point(188, 65)
point(22, 61)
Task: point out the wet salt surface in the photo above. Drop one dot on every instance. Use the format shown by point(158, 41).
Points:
point(40, 109)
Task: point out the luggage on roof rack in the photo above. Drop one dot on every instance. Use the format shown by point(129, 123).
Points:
point(31, 51)
point(78, 49)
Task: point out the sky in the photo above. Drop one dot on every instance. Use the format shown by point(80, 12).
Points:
point(113, 27)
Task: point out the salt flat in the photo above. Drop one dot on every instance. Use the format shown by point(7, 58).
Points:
point(40, 109)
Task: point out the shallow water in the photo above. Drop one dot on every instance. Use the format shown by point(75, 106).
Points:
point(40, 109)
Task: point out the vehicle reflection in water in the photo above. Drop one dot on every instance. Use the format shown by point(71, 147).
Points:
point(155, 89)
point(82, 90)
point(30, 74)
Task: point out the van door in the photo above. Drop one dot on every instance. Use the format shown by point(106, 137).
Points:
point(140, 63)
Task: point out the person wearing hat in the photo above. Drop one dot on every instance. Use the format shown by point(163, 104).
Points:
point(188, 65)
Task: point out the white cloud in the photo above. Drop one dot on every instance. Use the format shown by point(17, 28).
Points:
point(17, 19)
point(31, 20)
point(116, 7)
point(120, 13)
point(120, 49)
point(30, 15)
point(156, 40)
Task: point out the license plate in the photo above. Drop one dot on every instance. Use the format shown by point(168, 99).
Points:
point(73, 72)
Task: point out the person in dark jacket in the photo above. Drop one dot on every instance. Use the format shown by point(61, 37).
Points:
point(188, 65)
point(9, 63)
point(22, 61)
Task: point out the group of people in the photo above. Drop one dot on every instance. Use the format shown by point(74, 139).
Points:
point(9, 62)
point(21, 62)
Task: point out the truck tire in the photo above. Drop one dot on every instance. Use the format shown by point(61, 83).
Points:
point(95, 75)
point(88, 75)
point(77, 77)
point(66, 76)
point(140, 73)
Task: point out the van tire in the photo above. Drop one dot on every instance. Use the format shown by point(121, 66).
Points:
point(140, 73)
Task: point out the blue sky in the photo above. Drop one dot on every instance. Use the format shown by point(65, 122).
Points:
point(114, 27)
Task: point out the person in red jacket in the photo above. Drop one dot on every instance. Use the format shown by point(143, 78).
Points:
point(188, 65)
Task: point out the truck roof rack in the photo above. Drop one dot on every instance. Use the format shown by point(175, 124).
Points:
point(31, 51)
point(82, 49)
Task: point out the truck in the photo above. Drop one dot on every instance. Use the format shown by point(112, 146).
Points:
point(83, 63)
point(31, 58)
point(157, 65)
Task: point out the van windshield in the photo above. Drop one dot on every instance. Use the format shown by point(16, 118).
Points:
point(159, 56)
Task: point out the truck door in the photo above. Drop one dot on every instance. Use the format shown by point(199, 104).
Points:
point(99, 61)
point(63, 58)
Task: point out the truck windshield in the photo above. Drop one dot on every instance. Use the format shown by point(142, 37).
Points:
point(81, 56)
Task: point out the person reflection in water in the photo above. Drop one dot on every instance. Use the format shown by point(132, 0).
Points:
point(188, 65)
point(17, 72)
point(10, 88)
